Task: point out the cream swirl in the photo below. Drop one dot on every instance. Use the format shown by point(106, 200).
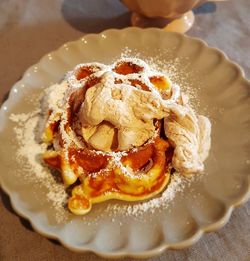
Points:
point(129, 110)
point(190, 136)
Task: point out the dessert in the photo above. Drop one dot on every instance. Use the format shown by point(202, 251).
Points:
point(117, 131)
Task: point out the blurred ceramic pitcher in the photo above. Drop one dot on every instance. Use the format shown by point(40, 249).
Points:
point(172, 15)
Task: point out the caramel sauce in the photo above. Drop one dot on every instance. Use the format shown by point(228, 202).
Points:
point(109, 181)
point(53, 162)
point(138, 159)
point(159, 82)
point(54, 127)
point(169, 154)
point(102, 183)
point(118, 81)
point(127, 68)
point(85, 71)
point(88, 161)
point(135, 83)
point(60, 139)
point(92, 81)
point(110, 184)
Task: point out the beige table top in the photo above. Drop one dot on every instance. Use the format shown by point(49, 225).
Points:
point(31, 28)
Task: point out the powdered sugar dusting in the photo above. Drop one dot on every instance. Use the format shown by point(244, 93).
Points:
point(174, 68)
point(29, 151)
point(26, 137)
point(163, 200)
point(176, 185)
point(28, 155)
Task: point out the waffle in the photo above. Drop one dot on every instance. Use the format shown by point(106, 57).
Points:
point(138, 173)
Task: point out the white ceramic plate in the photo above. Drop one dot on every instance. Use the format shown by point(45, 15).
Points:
point(205, 205)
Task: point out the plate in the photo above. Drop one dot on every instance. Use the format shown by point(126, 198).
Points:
point(217, 88)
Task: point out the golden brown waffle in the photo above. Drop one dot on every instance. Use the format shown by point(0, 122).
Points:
point(136, 174)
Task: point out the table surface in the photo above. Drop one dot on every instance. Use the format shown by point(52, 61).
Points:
point(30, 28)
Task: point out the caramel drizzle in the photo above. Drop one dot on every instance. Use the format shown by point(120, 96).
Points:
point(106, 180)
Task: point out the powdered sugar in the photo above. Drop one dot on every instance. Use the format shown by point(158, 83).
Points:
point(173, 67)
point(26, 137)
point(29, 156)
point(29, 150)
point(176, 186)
point(162, 201)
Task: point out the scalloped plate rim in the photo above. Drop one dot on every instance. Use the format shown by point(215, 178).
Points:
point(157, 250)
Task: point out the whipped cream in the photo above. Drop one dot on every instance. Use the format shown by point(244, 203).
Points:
point(190, 136)
point(118, 116)
point(129, 110)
